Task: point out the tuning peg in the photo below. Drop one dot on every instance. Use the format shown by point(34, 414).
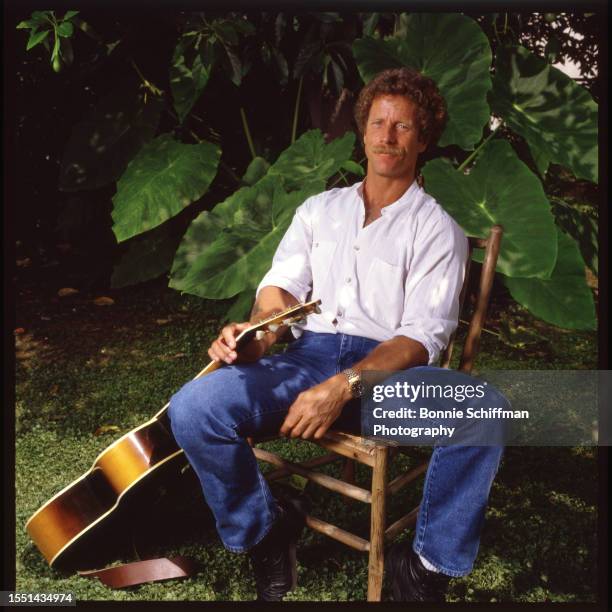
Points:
point(259, 334)
point(273, 327)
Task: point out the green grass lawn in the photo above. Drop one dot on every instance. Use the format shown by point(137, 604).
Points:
point(83, 367)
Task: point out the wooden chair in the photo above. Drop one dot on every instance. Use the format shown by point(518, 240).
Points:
point(376, 455)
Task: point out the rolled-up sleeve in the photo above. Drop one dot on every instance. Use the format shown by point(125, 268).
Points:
point(433, 285)
point(290, 268)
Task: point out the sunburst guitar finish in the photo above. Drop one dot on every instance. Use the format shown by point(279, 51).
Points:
point(62, 525)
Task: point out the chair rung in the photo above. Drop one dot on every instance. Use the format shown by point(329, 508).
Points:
point(346, 537)
point(322, 460)
point(403, 523)
point(401, 481)
point(324, 480)
point(334, 442)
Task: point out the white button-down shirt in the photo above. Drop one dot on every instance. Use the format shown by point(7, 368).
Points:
point(401, 275)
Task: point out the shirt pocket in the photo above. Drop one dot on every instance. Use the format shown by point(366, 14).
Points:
point(321, 262)
point(385, 291)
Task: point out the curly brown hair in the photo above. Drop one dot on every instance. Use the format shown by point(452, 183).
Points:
point(431, 112)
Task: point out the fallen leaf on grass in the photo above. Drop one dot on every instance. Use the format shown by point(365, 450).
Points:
point(24, 263)
point(19, 330)
point(170, 357)
point(105, 429)
point(27, 348)
point(104, 301)
point(162, 321)
point(67, 291)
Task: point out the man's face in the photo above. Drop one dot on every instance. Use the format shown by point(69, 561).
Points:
point(391, 137)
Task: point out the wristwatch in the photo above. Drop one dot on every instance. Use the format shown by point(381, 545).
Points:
point(354, 382)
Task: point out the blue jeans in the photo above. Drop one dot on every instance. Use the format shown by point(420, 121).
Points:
point(211, 417)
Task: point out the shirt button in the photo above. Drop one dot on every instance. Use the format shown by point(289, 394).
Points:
point(339, 313)
point(348, 280)
point(356, 247)
point(316, 244)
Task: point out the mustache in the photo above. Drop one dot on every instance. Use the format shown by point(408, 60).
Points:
point(388, 150)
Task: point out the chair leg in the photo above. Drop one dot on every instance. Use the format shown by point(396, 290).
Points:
point(348, 471)
point(377, 524)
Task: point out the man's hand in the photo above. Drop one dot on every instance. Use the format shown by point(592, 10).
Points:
point(314, 410)
point(224, 347)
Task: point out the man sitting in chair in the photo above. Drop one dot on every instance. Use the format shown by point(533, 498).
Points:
point(387, 263)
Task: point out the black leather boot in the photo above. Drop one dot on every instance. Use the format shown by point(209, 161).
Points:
point(410, 579)
point(273, 559)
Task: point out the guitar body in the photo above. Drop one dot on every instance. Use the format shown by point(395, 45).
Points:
point(65, 528)
point(119, 473)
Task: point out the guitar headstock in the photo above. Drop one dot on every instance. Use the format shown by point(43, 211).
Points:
point(291, 316)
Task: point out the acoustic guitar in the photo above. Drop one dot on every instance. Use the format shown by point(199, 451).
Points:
point(66, 525)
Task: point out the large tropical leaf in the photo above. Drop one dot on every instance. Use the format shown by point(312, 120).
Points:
point(309, 159)
point(189, 72)
point(148, 256)
point(500, 189)
point(582, 226)
point(164, 178)
point(565, 298)
point(241, 307)
point(102, 144)
point(229, 249)
point(207, 227)
point(256, 170)
point(226, 252)
point(453, 51)
point(556, 116)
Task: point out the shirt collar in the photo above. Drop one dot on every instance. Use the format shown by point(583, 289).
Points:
point(402, 203)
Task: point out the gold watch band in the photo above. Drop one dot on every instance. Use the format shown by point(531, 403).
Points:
point(354, 382)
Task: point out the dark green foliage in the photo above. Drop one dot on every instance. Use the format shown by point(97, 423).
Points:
point(103, 143)
point(500, 189)
point(183, 128)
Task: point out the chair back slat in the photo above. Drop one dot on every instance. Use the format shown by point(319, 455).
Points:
point(448, 351)
point(491, 246)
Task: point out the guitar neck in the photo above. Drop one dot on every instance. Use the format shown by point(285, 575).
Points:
point(286, 317)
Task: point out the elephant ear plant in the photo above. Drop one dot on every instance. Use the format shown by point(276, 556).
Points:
point(539, 263)
point(143, 141)
point(227, 251)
